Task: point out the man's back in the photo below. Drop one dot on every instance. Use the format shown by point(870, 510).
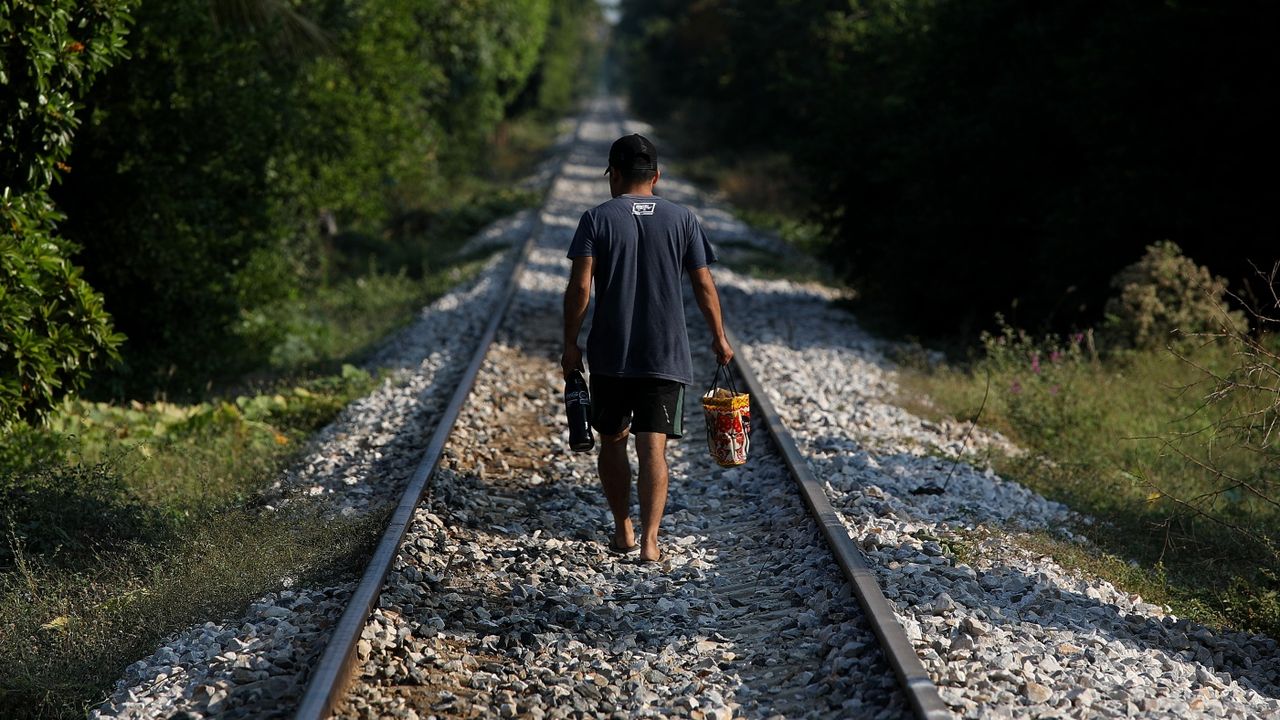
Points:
point(636, 250)
point(642, 246)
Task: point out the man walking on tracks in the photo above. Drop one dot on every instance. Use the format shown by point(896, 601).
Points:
point(637, 248)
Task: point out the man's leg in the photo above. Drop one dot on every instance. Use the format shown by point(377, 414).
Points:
point(615, 477)
point(651, 448)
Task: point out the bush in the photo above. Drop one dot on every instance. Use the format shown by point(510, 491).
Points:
point(1165, 296)
point(52, 325)
point(1240, 416)
point(53, 328)
point(53, 50)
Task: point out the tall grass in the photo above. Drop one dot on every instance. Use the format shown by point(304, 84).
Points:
point(124, 524)
point(66, 633)
point(1130, 440)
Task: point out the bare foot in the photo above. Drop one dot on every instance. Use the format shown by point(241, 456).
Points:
point(649, 551)
point(624, 536)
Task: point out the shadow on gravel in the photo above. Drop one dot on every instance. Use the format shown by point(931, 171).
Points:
point(1024, 598)
point(1008, 596)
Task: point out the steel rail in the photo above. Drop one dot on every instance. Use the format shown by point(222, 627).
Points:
point(336, 666)
point(916, 684)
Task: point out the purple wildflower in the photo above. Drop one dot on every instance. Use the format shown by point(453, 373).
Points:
point(1076, 338)
point(1015, 387)
point(1055, 357)
point(1053, 389)
point(1035, 363)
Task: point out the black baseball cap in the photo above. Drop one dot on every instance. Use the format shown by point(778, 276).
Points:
point(633, 152)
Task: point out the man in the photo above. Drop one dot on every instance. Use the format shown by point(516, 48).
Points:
point(637, 248)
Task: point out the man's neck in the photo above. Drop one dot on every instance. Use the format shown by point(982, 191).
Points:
point(641, 190)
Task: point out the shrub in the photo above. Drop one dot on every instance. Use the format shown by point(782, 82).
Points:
point(1234, 435)
point(53, 50)
point(1165, 293)
point(53, 328)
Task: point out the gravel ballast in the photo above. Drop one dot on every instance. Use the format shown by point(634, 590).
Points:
point(255, 666)
point(505, 602)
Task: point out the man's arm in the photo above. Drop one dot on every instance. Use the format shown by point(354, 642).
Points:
point(704, 290)
point(576, 298)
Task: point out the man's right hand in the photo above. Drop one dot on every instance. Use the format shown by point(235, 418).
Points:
point(571, 360)
point(724, 353)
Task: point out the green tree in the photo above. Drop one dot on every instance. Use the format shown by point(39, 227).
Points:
point(964, 155)
point(567, 64)
point(53, 328)
point(210, 158)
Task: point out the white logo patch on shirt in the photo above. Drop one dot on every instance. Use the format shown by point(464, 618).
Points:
point(643, 208)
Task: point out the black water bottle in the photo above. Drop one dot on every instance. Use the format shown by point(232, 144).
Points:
point(577, 406)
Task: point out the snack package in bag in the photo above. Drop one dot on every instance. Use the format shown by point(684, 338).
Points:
point(728, 414)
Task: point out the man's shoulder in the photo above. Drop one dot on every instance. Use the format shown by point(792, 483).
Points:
point(602, 206)
point(673, 206)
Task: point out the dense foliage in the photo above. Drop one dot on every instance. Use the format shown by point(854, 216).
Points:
point(567, 66)
point(965, 154)
point(53, 328)
point(224, 169)
point(240, 153)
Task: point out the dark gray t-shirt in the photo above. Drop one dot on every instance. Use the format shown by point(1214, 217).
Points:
point(642, 247)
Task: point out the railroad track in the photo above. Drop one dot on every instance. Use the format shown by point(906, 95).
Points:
point(491, 593)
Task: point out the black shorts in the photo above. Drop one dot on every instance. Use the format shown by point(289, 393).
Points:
point(644, 404)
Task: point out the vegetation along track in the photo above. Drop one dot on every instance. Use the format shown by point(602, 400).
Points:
point(501, 596)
